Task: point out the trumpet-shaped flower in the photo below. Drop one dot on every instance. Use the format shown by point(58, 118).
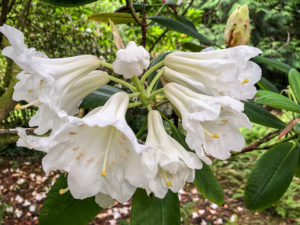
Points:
point(131, 61)
point(212, 123)
point(225, 72)
point(98, 151)
point(171, 165)
point(54, 116)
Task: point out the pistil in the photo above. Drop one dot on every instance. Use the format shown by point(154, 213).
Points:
point(18, 106)
point(104, 173)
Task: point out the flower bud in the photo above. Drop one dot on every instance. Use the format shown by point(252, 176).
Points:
point(237, 30)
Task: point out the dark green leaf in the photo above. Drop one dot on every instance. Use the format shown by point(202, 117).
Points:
point(294, 80)
point(99, 97)
point(149, 210)
point(186, 21)
point(192, 47)
point(181, 28)
point(267, 85)
point(271, 176)
point(69, 3)
point(64, 209)
point(297, 172)
point(137, 7)
point(205, 180)
point(273, 63)
point(259, 115)
point(277, 101)
point(208, 185)
point(117, 18)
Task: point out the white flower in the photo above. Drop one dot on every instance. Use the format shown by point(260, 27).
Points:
point(98, 151)
point(171, 164)
point(54, 116)
point(131, 61)
point(224, 72)
point(212, 123)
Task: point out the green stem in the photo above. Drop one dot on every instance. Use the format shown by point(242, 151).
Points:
point(134, 94)
point(153, 82)
point(117, 80)
point(140, 88)
point(105, 64)
point(154, 93)
point(151, 70)
point(131, 105)
point(161, 103)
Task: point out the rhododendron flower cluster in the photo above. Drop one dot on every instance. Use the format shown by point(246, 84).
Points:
point(99, 151)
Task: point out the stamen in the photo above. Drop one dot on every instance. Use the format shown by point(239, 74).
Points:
point(216, 135)
point(245, 81)
point(103, 173)
point(18, 106)
point(169, 183)
point(63, 191)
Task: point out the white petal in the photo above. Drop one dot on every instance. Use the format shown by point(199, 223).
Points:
point(104, 201)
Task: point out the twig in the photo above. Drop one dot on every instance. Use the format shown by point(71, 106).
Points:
point(144, 25)
point(14, 131)
point(255, 145)
point(133, 12)
point(166, 30)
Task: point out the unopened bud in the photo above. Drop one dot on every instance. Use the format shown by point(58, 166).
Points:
point(237, 30)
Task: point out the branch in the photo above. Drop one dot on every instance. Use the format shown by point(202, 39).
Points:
point(133, 12)
point(144, 25)
point(255, 145)
point(14, 131)
point(166, 30)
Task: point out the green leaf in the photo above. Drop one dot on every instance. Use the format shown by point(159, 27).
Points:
point(205, 180)
point(149, 210)
point(137, 7)
point(259, 115)
point(267, 85)
point(271, 176)
point(181, 28)
point(294, 80)
point(64, 209)
point(273, 63)
point(208, 185)
point(117, 18)
point(69, 3)
point(186, 21)
point(297, 172)
point(277, 101)
point(192, 47)
point(99, 97)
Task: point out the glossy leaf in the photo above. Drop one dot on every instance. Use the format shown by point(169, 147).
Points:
point(116, 18)
point(267, 85)
point(205, 180)
point(273, 63)
point(208, 185)
point(297, 172)
point(192, 47)
point(181, 28)
point(99, 97)
point(186, 21)
point(294, 80)
point(149, 210)
point(69, 3)
point(259, 115)
point(271, 176)
point(137, 7)
point(277, 101)
point(64, 209)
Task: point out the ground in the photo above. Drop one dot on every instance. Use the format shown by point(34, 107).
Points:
point(24, 185)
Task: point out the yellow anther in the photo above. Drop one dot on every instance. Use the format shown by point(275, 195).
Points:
point(169, 183)
point(216, 135)
point(17, 107)
point(63, 191)
point(103, 173)
point(245, 81)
